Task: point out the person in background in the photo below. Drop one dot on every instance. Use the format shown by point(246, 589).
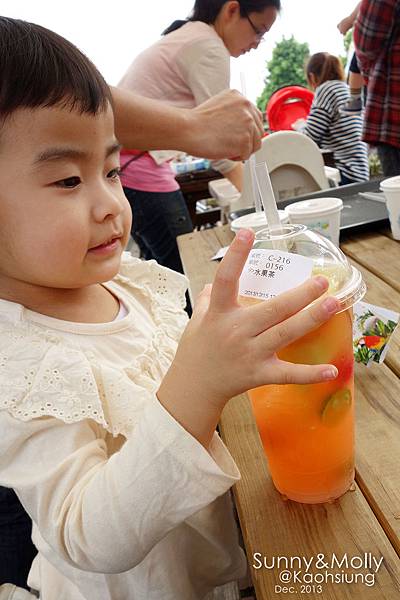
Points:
point(109, 397)
point(188, 65)
point(355, 79)
point(327, 125)
point(377, 41)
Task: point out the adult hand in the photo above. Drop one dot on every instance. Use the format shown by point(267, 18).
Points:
point(345, 24)
point(228, 348)
point(226, 126)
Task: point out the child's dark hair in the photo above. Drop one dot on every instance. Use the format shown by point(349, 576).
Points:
point(40, 68)
point(324, 67)
point(208, 10)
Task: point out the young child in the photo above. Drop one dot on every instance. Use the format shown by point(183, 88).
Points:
point(328, 125)
point(107, 424)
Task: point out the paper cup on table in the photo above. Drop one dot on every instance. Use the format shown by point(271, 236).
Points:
point(256, 221)
point(391, 189)
point(319, 214)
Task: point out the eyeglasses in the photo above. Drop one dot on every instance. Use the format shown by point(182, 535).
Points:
point(259, 34)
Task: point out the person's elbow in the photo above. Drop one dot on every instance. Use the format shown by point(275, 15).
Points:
point(97, 558)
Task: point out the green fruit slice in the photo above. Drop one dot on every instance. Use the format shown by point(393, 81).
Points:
point(335, 407)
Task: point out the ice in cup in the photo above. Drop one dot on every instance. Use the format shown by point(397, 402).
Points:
point(391, 189)
point(319, 214)
point(308, 430)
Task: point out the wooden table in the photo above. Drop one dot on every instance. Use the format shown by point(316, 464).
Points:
point(366, 520)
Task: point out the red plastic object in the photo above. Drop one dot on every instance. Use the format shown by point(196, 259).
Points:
point(288, 104)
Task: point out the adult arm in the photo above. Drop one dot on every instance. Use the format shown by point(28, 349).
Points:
point(373, 30)
point(347, 23)
point(205, 67)
point(227, 125)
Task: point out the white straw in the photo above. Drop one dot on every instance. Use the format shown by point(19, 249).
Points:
point(267, 195)
point(254, 184)
point(252, 160)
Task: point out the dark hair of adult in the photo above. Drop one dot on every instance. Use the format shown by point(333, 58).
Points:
point(324, 67)
point(207, 11)
point(39, 68)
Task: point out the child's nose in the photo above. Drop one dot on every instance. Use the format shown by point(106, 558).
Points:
point(108, 203)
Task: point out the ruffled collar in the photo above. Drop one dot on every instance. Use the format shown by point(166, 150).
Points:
point(42, 374)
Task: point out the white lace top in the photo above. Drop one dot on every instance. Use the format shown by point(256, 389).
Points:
point(126, 503)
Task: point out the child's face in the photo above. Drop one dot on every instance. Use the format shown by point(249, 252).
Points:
point(60, 199)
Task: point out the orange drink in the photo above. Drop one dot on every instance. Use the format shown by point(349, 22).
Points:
point(308, 430)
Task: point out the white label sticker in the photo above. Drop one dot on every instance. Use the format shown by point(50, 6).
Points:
point(268, 273)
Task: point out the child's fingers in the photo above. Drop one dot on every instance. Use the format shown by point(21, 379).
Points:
point(271, 312)
point(297, 326)
point(289, 373)
point(225, 287)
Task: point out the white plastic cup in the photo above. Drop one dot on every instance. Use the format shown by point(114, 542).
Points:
point(319, 214)
point(256, 221)
point(391, 189)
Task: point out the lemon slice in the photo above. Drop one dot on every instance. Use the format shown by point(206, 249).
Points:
point(335, 407)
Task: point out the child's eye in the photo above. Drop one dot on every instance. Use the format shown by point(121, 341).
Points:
point(69, 182)
point(114, 173)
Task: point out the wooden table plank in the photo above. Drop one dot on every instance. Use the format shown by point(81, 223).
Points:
point(275, 528)
point(377, 253)
point(378, 444)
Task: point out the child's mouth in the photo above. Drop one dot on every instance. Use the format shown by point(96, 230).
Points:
point(106, 247)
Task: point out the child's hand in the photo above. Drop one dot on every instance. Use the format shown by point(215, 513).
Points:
point(227, 348)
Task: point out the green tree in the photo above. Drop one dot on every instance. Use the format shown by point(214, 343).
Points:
point(347, 39)
point(286, 67)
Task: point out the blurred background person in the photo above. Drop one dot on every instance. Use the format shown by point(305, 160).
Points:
point(328, 125)
point(189, 64)
point(377, 41)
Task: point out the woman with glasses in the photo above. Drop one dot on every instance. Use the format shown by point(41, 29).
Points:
point(188, 65)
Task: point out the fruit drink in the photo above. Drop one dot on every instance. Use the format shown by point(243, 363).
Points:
point(308, 430)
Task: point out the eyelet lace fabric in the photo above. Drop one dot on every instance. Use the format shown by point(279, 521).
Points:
point(41, 374)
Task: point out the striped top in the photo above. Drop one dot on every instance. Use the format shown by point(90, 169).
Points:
point(338, 132)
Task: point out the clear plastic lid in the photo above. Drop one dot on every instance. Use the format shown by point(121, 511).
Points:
point(345, 282)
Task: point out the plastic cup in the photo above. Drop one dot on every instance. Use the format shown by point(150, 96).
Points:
point(319, 214)
point(256, 221)
point(307, 431)
point(391, 189)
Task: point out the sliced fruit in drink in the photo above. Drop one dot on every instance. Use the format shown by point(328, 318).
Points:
point(335, 407)
point(345, 365)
